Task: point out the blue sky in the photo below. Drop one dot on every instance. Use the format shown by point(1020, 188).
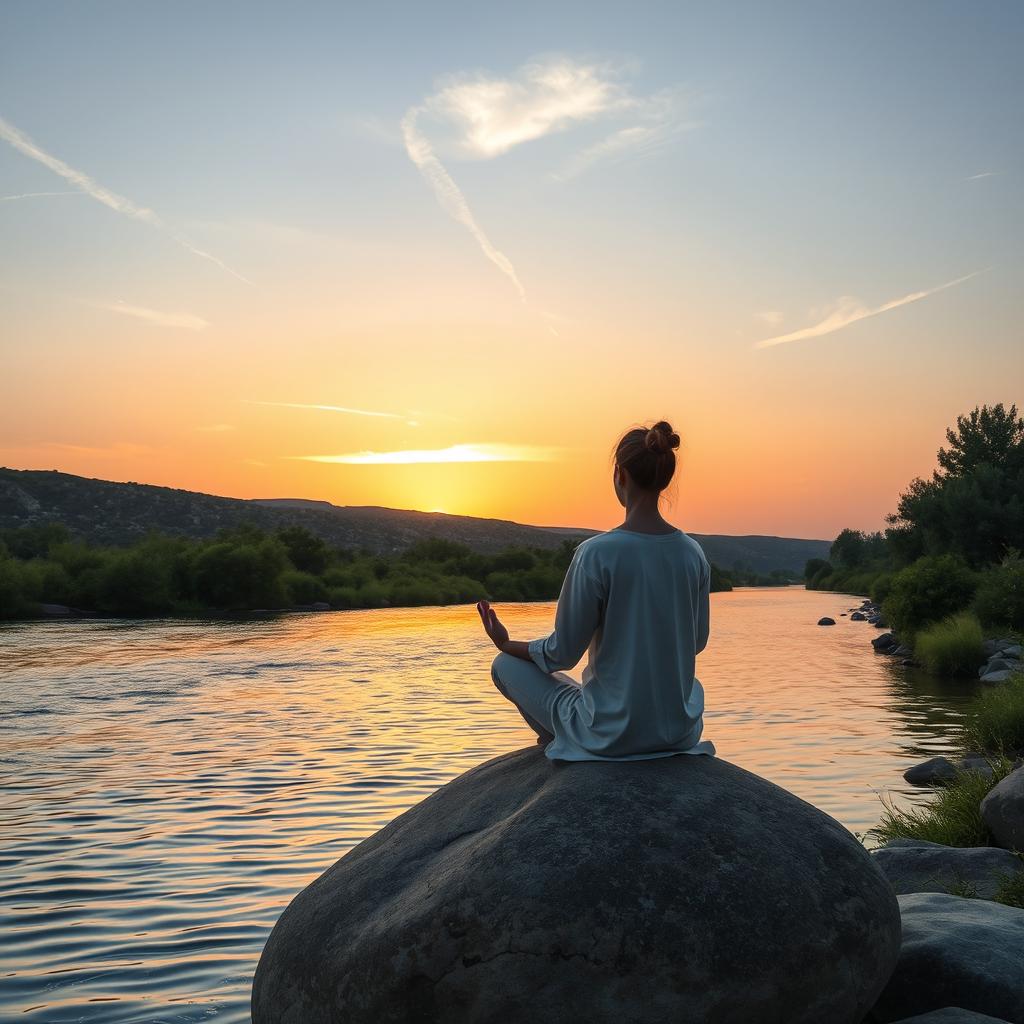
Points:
point(747, 172)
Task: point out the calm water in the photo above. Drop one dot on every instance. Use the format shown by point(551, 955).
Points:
point(166, 787)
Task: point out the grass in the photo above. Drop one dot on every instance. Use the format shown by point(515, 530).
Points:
point(951, 647)
point(1011, 890)
point(996, 719)
point(953, 818)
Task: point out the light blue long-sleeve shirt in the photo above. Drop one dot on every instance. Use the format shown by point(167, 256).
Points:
point(638, 604)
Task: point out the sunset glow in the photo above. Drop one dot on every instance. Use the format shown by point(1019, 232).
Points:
point(399, 266)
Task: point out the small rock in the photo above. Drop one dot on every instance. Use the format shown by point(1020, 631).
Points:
point(952, 1015)
point(55, 611)
point(1013, 651)
point(826, 621)
point(1003, 811)
point(858, 617)
point(996, 677)
point(934, 771)
point(884, 642)
point(956, 952)
point(913, 865)
point(1005, 642)
point(979, 765)
point(996, 665)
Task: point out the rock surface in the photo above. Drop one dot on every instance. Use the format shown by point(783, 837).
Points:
point(1003, 811)
point(912, 865)
point(679, 889)
point(956, 952)
point(952, 1015)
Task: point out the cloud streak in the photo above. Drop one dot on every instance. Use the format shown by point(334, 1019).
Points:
point(450, 196)
point(154, 316)
point(330, 408)
point(120, 204)
point(453, 453)
point(36, 195)
point(480, 117)
point(849, 310)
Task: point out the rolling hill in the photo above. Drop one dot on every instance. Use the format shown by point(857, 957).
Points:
point(106, 512)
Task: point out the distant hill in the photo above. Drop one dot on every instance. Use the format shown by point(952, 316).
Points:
point(117, 513)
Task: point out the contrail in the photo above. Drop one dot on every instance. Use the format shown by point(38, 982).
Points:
point(850, 311)
point(450, 196)
point(329, 408)
point(21, 142)
point(33, 195)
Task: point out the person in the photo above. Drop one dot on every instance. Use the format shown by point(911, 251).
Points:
point(636, 599)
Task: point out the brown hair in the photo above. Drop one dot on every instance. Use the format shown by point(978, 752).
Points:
point(647, 453)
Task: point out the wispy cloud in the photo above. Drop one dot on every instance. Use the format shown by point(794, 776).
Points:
point(21, 142)
point(450, 196)
point(154, 316)
point(38, 195)
point(849, 310)
point(773, 317)
point(330, 408)
point(983, 174)
point(454, 453)
point(481, 117)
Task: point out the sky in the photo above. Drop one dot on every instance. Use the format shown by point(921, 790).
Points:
point(441, 256)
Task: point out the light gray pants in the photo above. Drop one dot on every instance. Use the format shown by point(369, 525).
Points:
point(534, 692)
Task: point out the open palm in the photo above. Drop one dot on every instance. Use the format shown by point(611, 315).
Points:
point(492, 625)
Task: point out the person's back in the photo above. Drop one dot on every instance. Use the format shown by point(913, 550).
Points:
point(640, 697)
point(636, 600)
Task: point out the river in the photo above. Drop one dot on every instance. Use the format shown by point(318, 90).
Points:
point(166, 786)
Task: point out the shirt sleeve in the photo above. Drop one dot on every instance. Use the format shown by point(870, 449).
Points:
point(704, 609)
point(580, 606)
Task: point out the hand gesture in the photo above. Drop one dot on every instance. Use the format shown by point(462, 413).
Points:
point(494, 629)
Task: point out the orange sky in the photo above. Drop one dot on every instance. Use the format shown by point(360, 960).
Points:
point(507, 240)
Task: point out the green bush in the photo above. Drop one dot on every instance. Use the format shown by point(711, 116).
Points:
point(343, 597)
point(503, 586)
point(14, 603)
point(999, 600)
point(881, 587)
point(230, 574)
point(133, 583)
point(303, 587)
point(995, 720)
point(374, 595)
point(928, 591)
point(953, 818)
point(951, 647)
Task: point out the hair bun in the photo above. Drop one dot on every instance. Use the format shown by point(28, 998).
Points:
point(661, 438)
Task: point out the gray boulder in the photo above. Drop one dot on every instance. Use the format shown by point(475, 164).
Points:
point(826, 621)
point(1013, 651)
point(679, 889)
point(996, 677)
point(953, 1015)
point(956, 952)
point(997, 665)
point(934, 771)
point(1002, 810)
point(858, 617)
point(913, 865)
point(884, 641)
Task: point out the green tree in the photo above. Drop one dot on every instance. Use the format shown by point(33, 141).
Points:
point(306, 551)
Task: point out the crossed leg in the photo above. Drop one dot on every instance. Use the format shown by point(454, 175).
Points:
point(534, 692)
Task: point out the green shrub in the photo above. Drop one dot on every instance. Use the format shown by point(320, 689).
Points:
point(246, 574)
point(374, 595)
point(132, 583)
point(995, 720)
point(1011, 890)
point(953, 818)
point(14, 603)
point(999, 600)
point(951, 647)
point(931, 589)
point(303, 587)
point(503, 586)
point(343, 597)
point(881, 587)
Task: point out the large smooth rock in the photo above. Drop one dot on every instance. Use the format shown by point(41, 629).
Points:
point(913, 865)
point(952, 1015)
point(934, 771)
point(956, 952)
point(679, 889)
point(1002, 810)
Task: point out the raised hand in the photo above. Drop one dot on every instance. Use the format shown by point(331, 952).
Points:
point(492, 626)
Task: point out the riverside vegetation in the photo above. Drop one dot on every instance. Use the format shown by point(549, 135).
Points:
point(246, 568)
